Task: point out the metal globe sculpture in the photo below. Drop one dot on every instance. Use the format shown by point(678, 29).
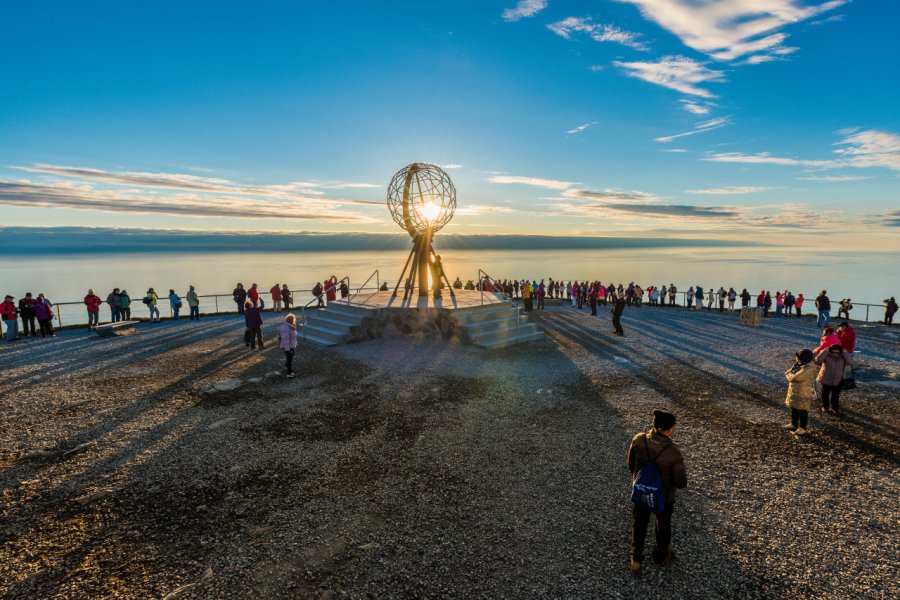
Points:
point(421, 197)
point(422, 200)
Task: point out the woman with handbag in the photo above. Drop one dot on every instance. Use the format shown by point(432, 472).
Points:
point(833, 360)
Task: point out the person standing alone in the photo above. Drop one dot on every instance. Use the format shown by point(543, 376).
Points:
point(655, 446)
point(823, 305)
point(288, 339)
point(618, 309)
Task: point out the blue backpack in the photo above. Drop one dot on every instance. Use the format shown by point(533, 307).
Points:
point(647, 493)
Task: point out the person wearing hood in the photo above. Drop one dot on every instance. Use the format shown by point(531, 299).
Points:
point(656, 446)
point(829, 338)
point(801, 391)
point(767, 304)
point(44, 313)
point(698, 297)
point(239, 295)
point(287, 337)
point(745, 298)
point(833, 361)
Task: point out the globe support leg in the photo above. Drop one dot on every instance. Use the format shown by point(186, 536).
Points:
point(423, 261)
point(403, 273)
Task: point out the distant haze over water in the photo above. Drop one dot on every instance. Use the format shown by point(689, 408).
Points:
point(865, 277)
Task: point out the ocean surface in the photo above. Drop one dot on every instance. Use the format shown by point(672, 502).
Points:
point(864, 277)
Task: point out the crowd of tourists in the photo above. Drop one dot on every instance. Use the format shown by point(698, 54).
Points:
point(37, 312)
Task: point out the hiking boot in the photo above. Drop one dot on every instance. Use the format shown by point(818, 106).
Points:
point(636, 568)
point(667, 560)
point(290, 375)
point(799, 431)
point(789, 427)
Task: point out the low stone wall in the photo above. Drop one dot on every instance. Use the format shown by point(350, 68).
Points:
point(413, 323)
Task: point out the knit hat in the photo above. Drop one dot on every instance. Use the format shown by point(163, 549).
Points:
point(663, 420)
point(804, 356)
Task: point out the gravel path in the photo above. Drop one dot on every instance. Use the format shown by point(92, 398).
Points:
point(395, 468)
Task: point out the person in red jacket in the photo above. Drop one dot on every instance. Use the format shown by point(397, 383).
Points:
point(253, 294)
point(276, 298)
point(798, 303)
point(829, 339)
point(10, 315)
point(847, 335)
point(93, 302)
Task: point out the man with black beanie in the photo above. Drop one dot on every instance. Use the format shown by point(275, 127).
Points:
point(656, 445)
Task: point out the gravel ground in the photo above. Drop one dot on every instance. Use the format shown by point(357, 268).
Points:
point(397, 468)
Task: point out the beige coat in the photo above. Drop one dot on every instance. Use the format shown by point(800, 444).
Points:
point(800, 387)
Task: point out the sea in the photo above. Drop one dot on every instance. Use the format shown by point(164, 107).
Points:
point(865, 277)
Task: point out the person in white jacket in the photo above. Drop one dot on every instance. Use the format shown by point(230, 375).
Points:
point(288, 337)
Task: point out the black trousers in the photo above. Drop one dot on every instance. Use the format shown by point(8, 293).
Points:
point(240, 306)
point(28, 322)
point(831, 396)
point(289, 360)
point(594, 308)
point(663, 532)
point(617, 324)
point(252, 337)
point(46, 327)
point(799, 417)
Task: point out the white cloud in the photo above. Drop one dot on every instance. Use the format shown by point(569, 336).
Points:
point(861, 150)
point(695, 107)
point(81, 196)
point(729, 29)
point(598, 32)
point(611, 195)
point(550, 184)
point(679, 150)
point(675, 72)
point(836, 178)
point(484, 209)
point(730, 191)
point(710, 125)
point(524, 9)
point(451, 166)
point(580, 128)
point(298, 190)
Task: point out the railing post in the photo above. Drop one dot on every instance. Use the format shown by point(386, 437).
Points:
point(867, 313)
point(59, 315)
point(216, 298)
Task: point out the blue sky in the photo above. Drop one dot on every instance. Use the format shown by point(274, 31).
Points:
point(655, 118)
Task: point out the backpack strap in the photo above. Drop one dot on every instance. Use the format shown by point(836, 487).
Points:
point(647, 447)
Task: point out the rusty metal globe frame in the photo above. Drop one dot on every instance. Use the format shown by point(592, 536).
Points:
point(422, 200)
point(421, 196)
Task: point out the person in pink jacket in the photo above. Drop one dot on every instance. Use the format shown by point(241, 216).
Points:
point(288, 342)
point(829, 338)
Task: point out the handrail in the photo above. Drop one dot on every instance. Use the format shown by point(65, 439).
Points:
point(481, 283)
point(377, 277)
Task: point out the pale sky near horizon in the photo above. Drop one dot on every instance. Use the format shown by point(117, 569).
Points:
point(655, 118)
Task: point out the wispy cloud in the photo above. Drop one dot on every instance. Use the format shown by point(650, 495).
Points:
point(730, 191)
point(451, 166)
point(892, 218)
point(612, 196)
point(192, 183)
point(678, 150)
point(78, 196)
point(580, 128)
point(703, 127)
point(524, 9)
point(550, 184)
point(836, 178)
point(861, 150)
point(599, 32)
point(485, 209)
point(697, 108)
point(730, 29)
point(675, 72)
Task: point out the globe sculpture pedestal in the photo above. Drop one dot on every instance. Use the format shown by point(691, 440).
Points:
point(422, 199)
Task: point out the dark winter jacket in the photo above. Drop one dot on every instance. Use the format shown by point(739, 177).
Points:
point(654, 445)
point(253, 318)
